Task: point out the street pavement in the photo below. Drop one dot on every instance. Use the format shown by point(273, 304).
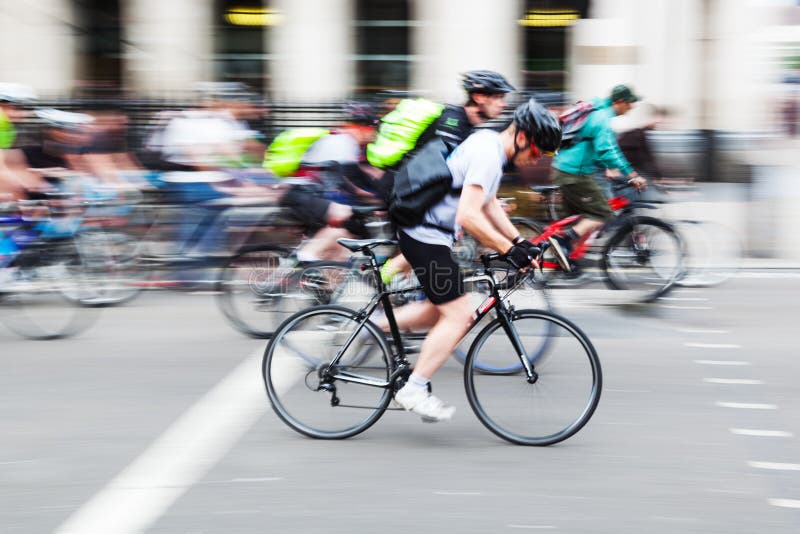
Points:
point(155, 420)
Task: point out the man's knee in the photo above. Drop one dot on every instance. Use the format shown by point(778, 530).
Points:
point(338, 213)
point(457, 309)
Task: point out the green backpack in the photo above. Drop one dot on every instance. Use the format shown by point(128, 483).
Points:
point(7, 132)
point(400, 130)
point(284, 154)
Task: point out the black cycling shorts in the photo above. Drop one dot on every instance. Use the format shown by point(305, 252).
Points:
point(437, 271)
point(307, 205)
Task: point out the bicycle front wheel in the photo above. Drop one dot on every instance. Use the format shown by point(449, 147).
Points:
point(302, 382)
point(544, 411)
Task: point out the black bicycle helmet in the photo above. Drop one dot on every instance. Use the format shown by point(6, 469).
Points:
point(541, 126)
point(360, 113)
point(486, 81)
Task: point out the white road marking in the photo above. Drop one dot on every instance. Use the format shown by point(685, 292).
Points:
point(712, 345)
point(458, 493)
point(14, 462)
point(762, 433)
point(743, 381)
point(785, 503)
point(695, 299)
point(747, 406)
point(627, 391)
point(182, 455)
point(533, 527)
point(701, 331)
point(721, 362)
point(774, 466)
point(264, 479)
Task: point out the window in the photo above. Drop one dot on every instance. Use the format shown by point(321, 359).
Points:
point(545, 24)
point(99, 48)
point(382, 44)
point(240, 28)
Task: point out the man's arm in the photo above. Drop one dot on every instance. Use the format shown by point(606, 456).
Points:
point(611, 157)
point(472, 217)
point(499, 219)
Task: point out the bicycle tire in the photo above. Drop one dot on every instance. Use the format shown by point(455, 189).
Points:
point(624, 261)
point(261, 285)
point(44, 302)
point(111, 261)
point(713, 253)
point(491, 396)
point(284, 357)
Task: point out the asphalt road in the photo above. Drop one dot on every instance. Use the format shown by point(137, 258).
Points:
point(155, 420)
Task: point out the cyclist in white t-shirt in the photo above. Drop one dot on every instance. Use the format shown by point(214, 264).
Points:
point(477, 166)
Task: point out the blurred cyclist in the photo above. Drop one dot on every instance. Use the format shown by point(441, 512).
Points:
point(16, 180)
point(477, 165)
point(573, 167)
point(486, 100)
point(339, 177)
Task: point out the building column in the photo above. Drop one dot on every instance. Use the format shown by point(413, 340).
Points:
point(168, 45)
point(454, 36)
point(38, 45)
point(312, 46)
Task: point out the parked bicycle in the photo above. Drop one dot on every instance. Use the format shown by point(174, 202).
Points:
point(330, 373)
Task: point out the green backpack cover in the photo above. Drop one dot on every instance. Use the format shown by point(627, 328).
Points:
point(284, 154)
point(7, 132)
point(400, 129)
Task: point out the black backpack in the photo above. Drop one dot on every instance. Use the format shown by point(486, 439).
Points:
point(420, 184)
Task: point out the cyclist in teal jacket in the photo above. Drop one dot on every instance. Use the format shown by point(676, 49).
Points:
point(573, 168)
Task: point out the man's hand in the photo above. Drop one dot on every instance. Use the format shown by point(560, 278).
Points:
point(638, 183)
point(523, 255)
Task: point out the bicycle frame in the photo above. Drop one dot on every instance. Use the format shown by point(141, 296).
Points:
point(402, 367)
point(621, 205)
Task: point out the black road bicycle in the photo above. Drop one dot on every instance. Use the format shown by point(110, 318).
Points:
point(330, 373)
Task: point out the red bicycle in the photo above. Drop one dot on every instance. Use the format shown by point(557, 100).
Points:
point(638, 253)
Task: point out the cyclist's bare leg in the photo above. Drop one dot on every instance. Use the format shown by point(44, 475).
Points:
point(323, 245)
point(413, 316)
point(454, 321)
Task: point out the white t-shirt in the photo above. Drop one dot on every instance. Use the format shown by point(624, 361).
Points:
point(479, 160)
point(341, 148)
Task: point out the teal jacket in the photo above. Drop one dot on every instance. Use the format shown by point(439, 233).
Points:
point(596, 145)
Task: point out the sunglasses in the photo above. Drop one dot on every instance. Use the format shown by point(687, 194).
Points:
point(538, 153)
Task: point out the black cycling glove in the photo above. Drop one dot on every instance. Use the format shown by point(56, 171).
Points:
point(533, 250)
point(518, 256)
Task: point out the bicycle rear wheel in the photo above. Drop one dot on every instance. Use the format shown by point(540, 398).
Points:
point(713, 252)
point(562, 399)
point(298, 375)
point(645, 256)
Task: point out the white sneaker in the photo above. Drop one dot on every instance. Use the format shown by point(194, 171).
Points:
point(422, 403)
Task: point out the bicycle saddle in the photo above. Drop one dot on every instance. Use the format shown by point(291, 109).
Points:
point(544, 188)
point(364, 244)
point(367, 209)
